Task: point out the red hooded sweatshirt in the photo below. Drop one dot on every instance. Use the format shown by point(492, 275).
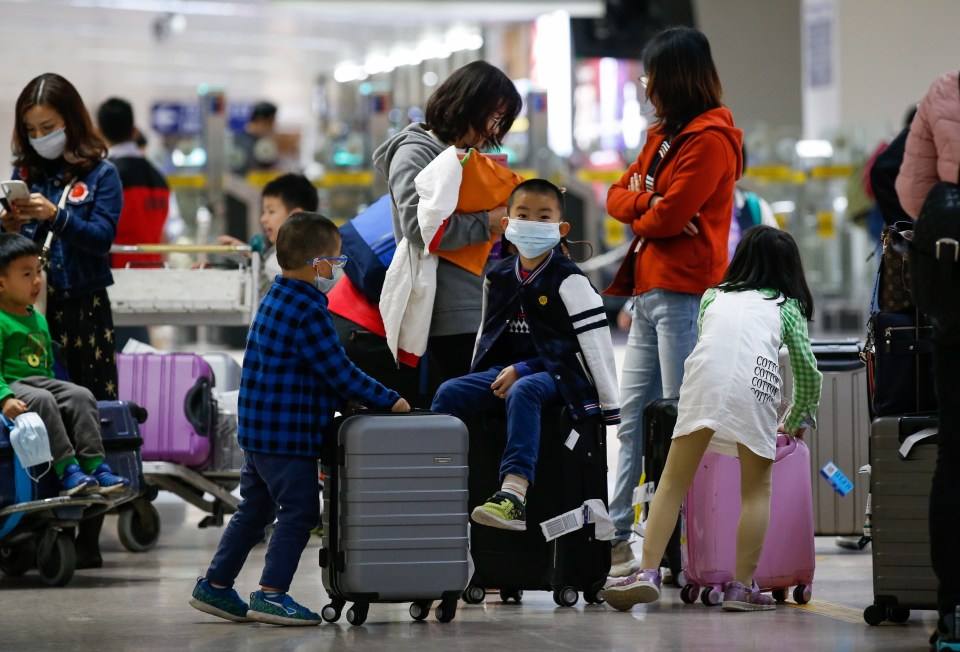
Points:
point(696, 176)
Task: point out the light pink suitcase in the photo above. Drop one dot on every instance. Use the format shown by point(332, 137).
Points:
point(709, 531)
point(175, 388)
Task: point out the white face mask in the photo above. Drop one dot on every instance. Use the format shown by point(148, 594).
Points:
point(52, 145)
point(533, 238)
point(30, 442)
point(323, 283)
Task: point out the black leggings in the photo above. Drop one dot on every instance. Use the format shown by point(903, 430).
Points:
point(945, 493)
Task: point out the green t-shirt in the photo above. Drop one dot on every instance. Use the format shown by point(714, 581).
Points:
point(25, 349)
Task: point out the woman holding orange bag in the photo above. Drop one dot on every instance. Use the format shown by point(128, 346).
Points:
point(474, 108)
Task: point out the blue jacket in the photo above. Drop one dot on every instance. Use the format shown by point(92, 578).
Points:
point(79, 259)
point(568, 325)
point(295, 374)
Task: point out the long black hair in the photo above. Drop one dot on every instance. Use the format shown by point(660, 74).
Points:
point(768, 258)
point(682, 78)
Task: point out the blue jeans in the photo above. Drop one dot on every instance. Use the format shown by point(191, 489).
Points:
point(662, 335)
point(271, 486)
point(471, 394)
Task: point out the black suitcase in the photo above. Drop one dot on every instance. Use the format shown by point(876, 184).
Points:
point(903, 577)
point(516, 561)
point(659, 418)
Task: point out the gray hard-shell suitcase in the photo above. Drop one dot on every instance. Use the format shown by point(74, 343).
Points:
point(903, 576)
point(842, 436)
point(395, 513)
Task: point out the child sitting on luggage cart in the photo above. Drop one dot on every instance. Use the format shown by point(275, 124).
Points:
point(27, 383)
point(544, 341)
point(295, 377)
point(728, 401)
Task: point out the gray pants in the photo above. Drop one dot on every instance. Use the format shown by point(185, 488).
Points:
point(64, 408)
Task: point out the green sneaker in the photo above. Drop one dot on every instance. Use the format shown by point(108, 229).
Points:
point(280, 610)
point(502, 510)
point(223, 603)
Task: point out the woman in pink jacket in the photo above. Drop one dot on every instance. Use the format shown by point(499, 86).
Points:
point(932, 154)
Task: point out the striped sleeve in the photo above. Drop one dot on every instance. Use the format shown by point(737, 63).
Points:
point(589, 321)
point(483, 317)
point(807, 379)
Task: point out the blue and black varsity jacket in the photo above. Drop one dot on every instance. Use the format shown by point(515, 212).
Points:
point(568, 326)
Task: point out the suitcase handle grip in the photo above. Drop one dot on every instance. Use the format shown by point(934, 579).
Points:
point(196, 406)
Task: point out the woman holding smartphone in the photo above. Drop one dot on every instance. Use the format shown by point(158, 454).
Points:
point(74, 205)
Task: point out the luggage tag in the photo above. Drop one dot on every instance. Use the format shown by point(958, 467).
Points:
point(592, 511)
point(840, 482)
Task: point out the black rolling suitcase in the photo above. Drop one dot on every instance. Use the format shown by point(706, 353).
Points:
point(900, 480)
point(570, 470)
point(659, 418)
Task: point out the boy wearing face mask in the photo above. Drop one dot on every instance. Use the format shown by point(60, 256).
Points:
point(295, 377)
point(544, 341)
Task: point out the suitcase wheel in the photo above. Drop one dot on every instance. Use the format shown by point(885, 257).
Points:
point(780, 595)
point(446, 611)
point(420, 610)
point(898, 614)
point(592, 597)
point(689, 593)
point(331, 612)
point(357, 614)
point(566, 597)
point(802, 594)
point(474, 594)
point(506, 595)
point(874, 614)
point(710, 596)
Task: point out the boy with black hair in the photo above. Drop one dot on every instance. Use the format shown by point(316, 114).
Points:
point(282, 197)
point(295, 377)
point(544, 341)
point(27, 383)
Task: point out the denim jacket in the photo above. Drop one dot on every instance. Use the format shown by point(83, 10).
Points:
point(79, 259)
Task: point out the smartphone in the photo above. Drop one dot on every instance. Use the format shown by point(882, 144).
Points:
point(15, 190)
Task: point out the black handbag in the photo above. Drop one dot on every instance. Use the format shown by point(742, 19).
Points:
point(899, 356)
point(935, 255)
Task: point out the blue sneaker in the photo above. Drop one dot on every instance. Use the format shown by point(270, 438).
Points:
point(223, 603)
point(74, 481)
point(109, 482)
point(280, 610)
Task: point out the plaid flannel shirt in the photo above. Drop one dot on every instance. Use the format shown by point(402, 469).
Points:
point(807, 379)
point(296, 374)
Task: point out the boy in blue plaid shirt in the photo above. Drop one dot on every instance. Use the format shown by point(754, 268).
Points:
point(295, 377)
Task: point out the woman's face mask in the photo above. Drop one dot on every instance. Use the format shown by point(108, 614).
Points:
point(52, 145)
point(45, 131)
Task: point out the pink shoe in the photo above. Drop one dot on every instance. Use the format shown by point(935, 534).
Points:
point(642, 586)
point(737, 597)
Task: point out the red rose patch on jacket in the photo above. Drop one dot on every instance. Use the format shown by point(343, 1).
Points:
point(78, 193)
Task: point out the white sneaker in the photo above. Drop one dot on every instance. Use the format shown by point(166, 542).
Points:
point(622, 561)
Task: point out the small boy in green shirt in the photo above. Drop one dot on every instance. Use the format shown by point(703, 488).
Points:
point(27, 383)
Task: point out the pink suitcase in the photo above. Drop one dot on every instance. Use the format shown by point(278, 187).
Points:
point(175, 388)
point(709, 532)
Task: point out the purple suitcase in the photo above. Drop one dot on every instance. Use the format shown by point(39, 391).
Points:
point(709, 536)
point(175, 389)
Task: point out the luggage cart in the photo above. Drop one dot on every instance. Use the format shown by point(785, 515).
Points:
point(217, 296)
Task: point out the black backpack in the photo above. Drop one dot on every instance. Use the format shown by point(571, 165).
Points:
point(934, 255)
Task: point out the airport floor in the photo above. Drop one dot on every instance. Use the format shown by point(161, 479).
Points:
point(138, 601)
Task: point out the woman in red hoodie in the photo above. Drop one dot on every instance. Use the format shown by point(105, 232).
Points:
point(677, 198)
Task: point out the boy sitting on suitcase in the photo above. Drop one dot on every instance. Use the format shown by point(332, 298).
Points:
point(544, 342)
point(295, 377)
point(27, 383)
